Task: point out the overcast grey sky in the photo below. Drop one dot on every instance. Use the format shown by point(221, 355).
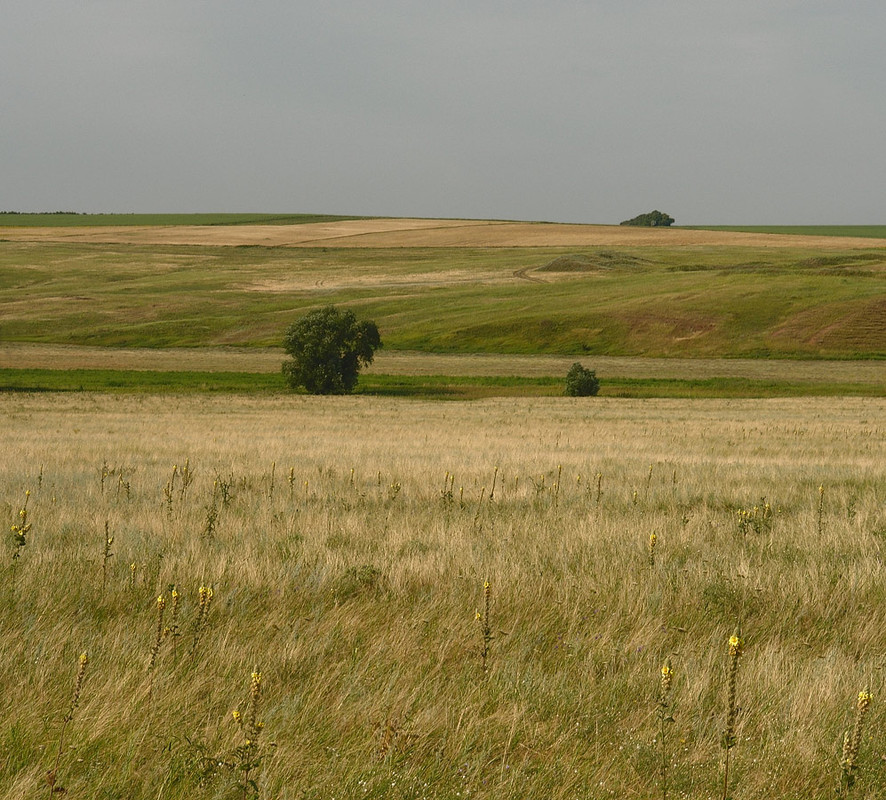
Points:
point(752, 111)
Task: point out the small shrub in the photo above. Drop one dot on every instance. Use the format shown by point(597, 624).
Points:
point(581, 382)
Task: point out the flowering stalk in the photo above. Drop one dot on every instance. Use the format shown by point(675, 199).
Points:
point(202, 616)
point(485, 627)
point(664, 717)
point(173, 629)
point(19, 537)
point(106, 556)
point(52, 774)
point(248, 754)
point(729, 740)
point(852, 741)
point(161, 610)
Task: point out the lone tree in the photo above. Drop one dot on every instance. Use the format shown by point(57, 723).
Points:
point(654, 219)
point(581, 382)
point(328, 349)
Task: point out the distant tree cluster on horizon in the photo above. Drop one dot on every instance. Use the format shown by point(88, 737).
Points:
point(654, 219)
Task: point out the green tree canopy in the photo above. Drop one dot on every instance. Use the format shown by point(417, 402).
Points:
point(328, 347)
point(654, 219)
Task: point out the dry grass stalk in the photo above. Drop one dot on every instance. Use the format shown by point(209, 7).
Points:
point(271, 482)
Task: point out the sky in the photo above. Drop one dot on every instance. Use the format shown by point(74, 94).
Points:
point(750, 112)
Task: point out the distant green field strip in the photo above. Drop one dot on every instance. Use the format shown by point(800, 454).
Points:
point(427, 386)
point(105, 380)
point(442, 386)
point(860, 231)
point(63, 220)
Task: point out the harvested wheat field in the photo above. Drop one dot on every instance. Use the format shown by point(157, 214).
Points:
point(298, 597)
point(379, 233)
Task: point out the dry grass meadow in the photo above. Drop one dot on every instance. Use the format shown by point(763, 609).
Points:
point(346, 542)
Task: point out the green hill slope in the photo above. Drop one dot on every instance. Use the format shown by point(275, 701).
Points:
point(689, 302)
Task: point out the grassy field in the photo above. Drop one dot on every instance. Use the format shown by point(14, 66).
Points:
point(387, 596)
point(346, 542)
point(676, 302)
point(859, 231)
point(658, 312)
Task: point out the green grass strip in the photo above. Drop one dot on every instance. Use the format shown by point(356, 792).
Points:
point(440, 387)
point(860, 231)
point(134, 381)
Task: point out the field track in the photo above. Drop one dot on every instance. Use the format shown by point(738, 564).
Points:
point(372, 233)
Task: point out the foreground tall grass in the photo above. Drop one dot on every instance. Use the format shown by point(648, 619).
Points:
point(326, 559)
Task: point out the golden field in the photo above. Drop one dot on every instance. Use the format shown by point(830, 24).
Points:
point(346, 542)
point(404, 232)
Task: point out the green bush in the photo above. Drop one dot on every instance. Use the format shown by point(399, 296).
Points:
point(581, 382)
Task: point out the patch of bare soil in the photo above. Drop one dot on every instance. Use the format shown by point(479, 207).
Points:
point(328, 282)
